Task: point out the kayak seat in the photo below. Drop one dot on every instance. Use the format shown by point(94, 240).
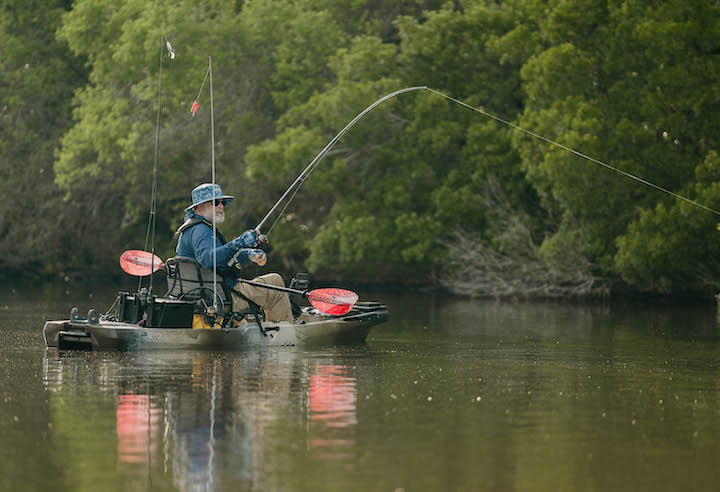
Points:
point(188, 280)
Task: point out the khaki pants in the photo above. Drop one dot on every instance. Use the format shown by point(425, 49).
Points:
point(276, 304)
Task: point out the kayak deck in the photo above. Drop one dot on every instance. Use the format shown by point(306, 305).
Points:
point(311, 328)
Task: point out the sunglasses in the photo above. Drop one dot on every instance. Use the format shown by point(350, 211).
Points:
point(220, 202)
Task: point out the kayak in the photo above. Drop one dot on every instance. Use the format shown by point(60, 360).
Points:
point(183, 319)
point(311, 328)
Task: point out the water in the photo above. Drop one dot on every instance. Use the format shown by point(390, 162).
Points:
point(449, 395)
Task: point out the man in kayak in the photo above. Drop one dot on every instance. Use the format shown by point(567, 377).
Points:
point(196, 241)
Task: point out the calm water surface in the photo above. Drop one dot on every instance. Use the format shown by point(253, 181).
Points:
point(448, 395)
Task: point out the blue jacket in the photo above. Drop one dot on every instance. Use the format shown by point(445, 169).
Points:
point(196, 241)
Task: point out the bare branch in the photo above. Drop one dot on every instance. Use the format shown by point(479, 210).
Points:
point(479, 270)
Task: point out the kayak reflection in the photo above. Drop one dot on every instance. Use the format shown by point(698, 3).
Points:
point(194, 421)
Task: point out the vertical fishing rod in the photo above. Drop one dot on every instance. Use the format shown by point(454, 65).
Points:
point(212, 160)
point(164, 43)
point(194, 109)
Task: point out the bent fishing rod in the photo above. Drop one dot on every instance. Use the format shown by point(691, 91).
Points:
point(309, 169)
point(295, 186)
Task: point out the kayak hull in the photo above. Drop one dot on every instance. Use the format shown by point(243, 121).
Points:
point(310, 329)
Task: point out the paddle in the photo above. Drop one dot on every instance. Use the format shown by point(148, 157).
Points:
point(332, 300)
point(140, 263)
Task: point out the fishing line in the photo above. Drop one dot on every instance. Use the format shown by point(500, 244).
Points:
point(579, 154)
point(193, 109)
point(214, 203)
point(196, 103)
point(283, 210)
point(202, 86)
point(303, 176)
point(153, 200)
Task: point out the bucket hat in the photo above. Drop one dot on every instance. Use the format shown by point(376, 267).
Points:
point(207, 192)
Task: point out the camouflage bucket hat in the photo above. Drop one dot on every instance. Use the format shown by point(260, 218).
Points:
point(207, 192)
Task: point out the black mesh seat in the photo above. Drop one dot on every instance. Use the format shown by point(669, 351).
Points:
point(188, 280)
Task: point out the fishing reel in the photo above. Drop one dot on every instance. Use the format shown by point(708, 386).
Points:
point(257, 259)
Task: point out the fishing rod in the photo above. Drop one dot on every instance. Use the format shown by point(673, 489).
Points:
point(212, 160)
point(164, 45)
point(295, 186)
point(309, 169)
point(194, 109)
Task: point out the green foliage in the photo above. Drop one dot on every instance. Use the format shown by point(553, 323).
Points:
point(674, 248)
point(629, 83)
point(408, 174)
point(37, 77)
point(297, 41)
point(622, 83)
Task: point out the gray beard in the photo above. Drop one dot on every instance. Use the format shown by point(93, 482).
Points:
point(205, 211)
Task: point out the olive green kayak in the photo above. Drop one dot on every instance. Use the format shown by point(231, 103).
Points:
point(311, 328)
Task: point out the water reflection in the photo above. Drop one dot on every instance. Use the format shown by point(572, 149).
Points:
point(332, 402)
point(195, 426)
point(200, 421)
point(137, 428)
point(491, 318)
point(332, 396)
point(451, 395)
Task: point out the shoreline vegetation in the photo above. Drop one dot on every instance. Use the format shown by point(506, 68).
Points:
point(459, 288)
point(422, 193)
